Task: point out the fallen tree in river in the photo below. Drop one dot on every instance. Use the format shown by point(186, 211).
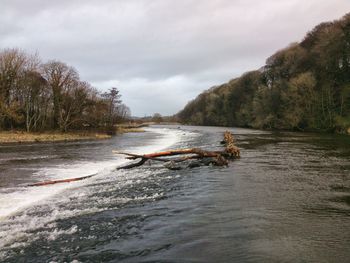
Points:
point(192, 157)
point(196, 156)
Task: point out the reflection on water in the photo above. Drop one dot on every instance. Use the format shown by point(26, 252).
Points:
point(286, 200)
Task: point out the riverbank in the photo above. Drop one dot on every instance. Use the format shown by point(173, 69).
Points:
point(29, 137)
point(56, 136)
point(316, 131)
point(121, 130)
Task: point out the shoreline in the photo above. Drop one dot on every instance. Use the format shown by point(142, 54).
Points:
point(19, 137)
point(347, 132)
point(121, 130)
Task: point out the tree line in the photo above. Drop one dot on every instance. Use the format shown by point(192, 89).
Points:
point(305, 86)
point(38, 96)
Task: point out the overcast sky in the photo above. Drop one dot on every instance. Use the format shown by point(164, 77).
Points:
point(160, 53)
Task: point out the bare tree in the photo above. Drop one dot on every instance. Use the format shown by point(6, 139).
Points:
point(75, 100)
point(60, 78)
point(113, 100)
point(36, 99)
point(13, 63)
point(123, 112)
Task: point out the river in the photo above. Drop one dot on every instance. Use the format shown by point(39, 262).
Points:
point(287, 199)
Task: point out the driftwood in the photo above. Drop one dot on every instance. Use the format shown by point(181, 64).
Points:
point(193, 157)
point(217, 158)
point(61, 181)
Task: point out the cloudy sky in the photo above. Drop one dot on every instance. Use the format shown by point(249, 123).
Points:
point(160, 53)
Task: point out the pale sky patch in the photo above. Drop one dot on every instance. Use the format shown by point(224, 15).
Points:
point(160, 53)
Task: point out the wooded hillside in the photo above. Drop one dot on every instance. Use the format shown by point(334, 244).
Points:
point(305, 86)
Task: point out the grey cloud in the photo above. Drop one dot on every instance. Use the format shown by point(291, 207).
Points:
point(159, 49)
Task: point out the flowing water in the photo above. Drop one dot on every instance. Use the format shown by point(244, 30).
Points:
point(287, 199)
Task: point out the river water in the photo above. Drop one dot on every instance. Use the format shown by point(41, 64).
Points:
point(287, 199)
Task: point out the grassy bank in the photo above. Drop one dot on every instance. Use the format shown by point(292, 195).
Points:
point(25, 137)
point(56, 136)
point(125, 130)
point(131, 127)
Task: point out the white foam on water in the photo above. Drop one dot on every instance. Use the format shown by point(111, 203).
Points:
point(22, 197)
point(16, 229)
point(19, 198)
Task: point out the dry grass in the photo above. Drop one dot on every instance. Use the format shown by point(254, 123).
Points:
point(19, 136)
point(131, 127)
point(125, 130)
